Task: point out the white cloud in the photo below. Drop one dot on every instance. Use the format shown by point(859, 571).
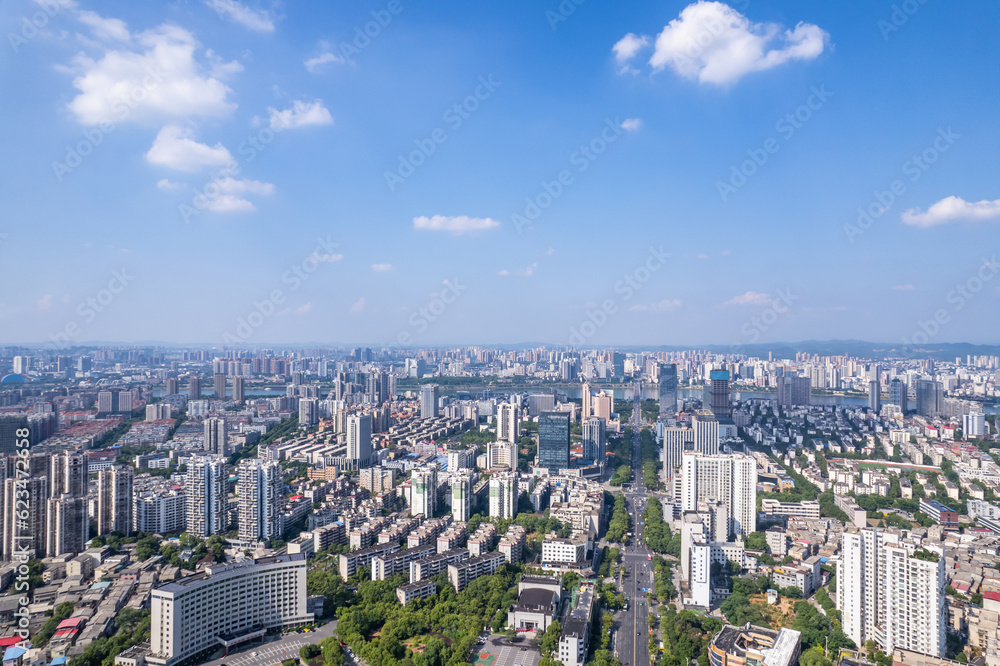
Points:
point(458, 225)
point(666, 305)
point(632, 124)
point(503, 272)
point(105, 28)
point(953, 209)
point(45, 302)
point(903, 287)
point(175, 149)
point(303, 309)
point(626, 49)
point(258, 21)
point(525, 272)
point(163, 81)
point(550, 251)
point(714, 43)
point(327, 258)
point(749, 298)
point(382, 268)
point(703, 256)
point(326, 57)
point(229, 198)
point(167, 185)
point(358, 305)
point(302, 114)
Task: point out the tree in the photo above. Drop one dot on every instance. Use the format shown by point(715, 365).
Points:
point(308, 652)
point(757, 541)
point(550, 639)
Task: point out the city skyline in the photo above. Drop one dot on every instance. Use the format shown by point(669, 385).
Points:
point(791, 178)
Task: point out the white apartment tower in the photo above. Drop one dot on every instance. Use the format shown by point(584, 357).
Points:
point(424, 491)
point(359, 440)
point(205, 489)
point(508, 423)
point(503, 495)
point(728, 479)
point(259, 490)
point(461, 496)
point(114, 500)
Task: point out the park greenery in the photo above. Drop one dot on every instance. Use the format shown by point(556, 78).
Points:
point(619, 524)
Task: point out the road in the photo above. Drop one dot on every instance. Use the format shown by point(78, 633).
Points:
point(632, 639)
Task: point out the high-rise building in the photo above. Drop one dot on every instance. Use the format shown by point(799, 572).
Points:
point(259, 489)
point(239, 394)
point(718, 393)
point(728, 479)
point(553, 440)
point(974, 425)
point(461, 496)
point(930, 397)
point(501, 454)
point(157, 411)
point(604, 406)
point(428, 401)
point(898, 394)
point(25, 535)
point(874, 396)
point(308, 412)
point(508, 422)
point(359, 440)
point(706, 432)
point(10, 424)
point(504, 493)
point(675, 442)
point(170, 386)
point(888, 593)
point(794, 390)
point(194, 386)
point(667, 389)
point(66, 526)
point(114, 500)
point(205, 489)
point(68, 474)
point(424, 491)
point(220, 385)
point(21, 365)
point(594, 439)
point(586, 397)
point(216, 435)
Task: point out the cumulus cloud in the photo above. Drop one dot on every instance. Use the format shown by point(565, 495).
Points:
point(525, 272)
point(457, 225)
point(315, 64)
point(175, 149)
point(159, 81)
point(382, 268)
point(327, 258)
point(167, 185)
point(903, 287)
point(666, 305)
point(301, 114)
point(625, 50)
point(953, 209)
point(632, 124)
point(358, 305)
point(504, 272)
point(713, 43)
point(45, 302)
point(230, 193)
point(258, 21)
point(749, 298)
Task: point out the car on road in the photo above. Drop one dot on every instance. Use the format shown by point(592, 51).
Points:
point(253, 654)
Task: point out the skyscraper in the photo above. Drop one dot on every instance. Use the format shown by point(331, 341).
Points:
point(898, 394)
point(205, 488)
point(239, 394)
point(729, 479)
point(114, 500)
point(359, 440)
point(428, 401)
point(461, 496)
point(308, 412)
point(706, 432)
point(718, 393)
point(586, 397)
point(220, 385)
point(594, 439)
point(25, 536)
point(667, 388)
point(508, 422)
point(66, 526)
point(930, 397)
point(874, 396)
point(216, 435)
point(68, 474)
point(424, 491)
point(170, 386)
point(675, 442)
point(553, 440)
point(259, 490)
point(194, 386)
point(603, 406)
point(794, 390)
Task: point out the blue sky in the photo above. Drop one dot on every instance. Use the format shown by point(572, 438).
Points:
point(672, 95)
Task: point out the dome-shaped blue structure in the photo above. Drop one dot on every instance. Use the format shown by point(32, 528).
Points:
point(12, 379)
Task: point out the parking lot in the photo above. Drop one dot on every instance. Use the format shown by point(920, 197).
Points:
point(520, 654)
point(273, 651)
